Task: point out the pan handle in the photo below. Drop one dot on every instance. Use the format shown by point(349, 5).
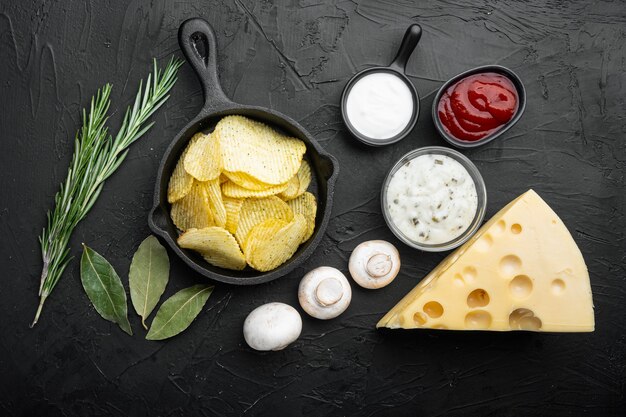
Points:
point(157, 220)
point(198, 43)
point(409, 42)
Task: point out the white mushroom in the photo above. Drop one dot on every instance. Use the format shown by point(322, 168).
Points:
point(374, 264)
point(272, 326)
point(324, 293)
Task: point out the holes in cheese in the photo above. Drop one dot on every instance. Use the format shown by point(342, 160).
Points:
point(419, 318)
point(499, 227)
point(502, 280)
point(510, 265)
point(458, 280)
point(469, 274)
point(520, 287)
point(478, 298)
point(524, 319)
point(433, 309)
point(478, 320)
point(558, 286)
point(484, 243)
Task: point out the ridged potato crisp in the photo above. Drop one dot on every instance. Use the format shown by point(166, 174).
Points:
point(239, 195)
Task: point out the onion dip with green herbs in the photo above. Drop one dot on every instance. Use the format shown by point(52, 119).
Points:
point(432, 199)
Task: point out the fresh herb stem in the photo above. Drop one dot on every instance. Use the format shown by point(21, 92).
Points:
point(97, 155)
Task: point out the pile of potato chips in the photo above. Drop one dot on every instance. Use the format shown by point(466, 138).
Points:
point(239, 195)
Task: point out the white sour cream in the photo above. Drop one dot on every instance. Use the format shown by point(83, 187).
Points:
point(379, 105)
point(432, 199)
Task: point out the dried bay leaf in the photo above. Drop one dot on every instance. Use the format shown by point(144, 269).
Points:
point(178, 311)
point(104, 288)
point(148, 276)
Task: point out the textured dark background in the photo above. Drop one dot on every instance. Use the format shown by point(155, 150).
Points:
point(295, 57)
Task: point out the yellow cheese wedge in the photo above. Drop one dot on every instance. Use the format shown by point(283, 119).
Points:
point(521, 271)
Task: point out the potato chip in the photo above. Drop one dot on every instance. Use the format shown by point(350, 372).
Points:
point(254, 211)
point(216, 245)
point(230, 189)
point(292, 189)
point(246, 181)
point(203, 160)
point(271, 243)
point(239, 195)
point(216, 203)
point(180, 181)
point(304, 177)
point(253, 148)
point(263, 232)
point(307, 206)
point(233, 208)
point(192, 211)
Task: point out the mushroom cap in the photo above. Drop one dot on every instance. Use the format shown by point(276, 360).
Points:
point(374, 264)
point(324, 293)
point(272, 326)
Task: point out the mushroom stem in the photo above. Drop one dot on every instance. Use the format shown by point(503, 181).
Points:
point(379, 265)
point(324, 292)
point(374, 264)
point(328, 291)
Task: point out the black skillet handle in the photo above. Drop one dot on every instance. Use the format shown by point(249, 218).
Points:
point(198, 43)
point(409, 42)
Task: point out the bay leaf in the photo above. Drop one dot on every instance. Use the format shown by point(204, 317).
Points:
point(178, 311)
point(104, 288)
point(148, 276)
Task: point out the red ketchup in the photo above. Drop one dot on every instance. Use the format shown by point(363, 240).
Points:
point(477, 106)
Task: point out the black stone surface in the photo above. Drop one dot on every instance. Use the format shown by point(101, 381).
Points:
point(295, 57)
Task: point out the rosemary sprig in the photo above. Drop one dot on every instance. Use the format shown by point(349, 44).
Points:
point(96, 157)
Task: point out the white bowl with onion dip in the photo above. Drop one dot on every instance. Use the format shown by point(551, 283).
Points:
point(434, 199)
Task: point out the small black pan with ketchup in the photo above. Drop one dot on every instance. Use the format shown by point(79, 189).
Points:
point(477, 106)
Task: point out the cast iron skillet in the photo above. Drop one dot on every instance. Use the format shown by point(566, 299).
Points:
point(197, 41)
